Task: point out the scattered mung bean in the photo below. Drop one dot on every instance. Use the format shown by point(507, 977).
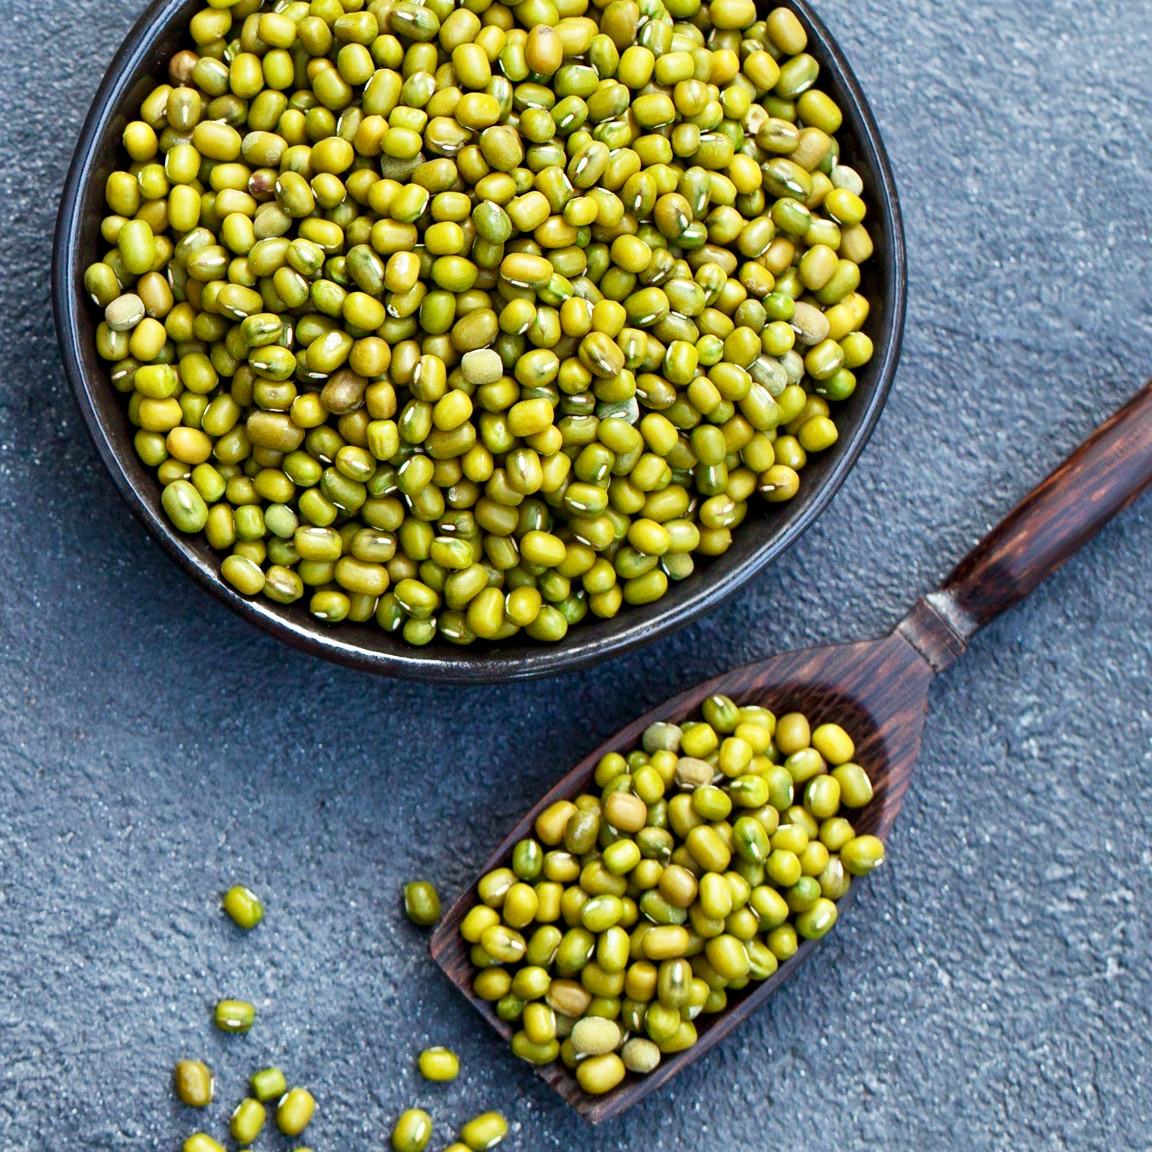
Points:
point(439, 1064)
point(194, 1082)
point(412, 1132)
point(421, 903)
point(202, 1142)
point(484, 1131)
point(234, 1015)
point(294, 1112)
point(268, 1084)
point(244, 906)
point(247, 1120)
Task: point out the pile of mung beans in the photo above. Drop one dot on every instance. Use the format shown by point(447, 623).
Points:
point(703, 861)
point(477, 319)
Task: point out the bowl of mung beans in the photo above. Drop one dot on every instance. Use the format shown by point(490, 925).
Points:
point(474, 342)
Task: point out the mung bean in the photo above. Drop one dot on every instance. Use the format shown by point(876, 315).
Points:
point(194, 1082)
point(244, 906)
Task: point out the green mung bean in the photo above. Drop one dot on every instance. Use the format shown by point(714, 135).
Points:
point(294, 1111)
point(484, 1131)
point(439, 1064)
point(247, 1120)
point(412, 1131)
point(234, 1015)
point(268, 1084)
point(194, 1082)
point(421, 903)
point(244, 906)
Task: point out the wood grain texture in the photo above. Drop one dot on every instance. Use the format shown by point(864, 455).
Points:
point(878, 690)
point(1101, 478)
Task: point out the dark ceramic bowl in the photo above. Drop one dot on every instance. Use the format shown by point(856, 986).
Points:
point(766, 533)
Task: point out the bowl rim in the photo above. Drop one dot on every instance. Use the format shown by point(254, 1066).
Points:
point(464, 665)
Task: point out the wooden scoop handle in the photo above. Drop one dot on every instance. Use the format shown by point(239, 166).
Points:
point(1101, 478)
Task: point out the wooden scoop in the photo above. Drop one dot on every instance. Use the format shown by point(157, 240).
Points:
point(877, 689)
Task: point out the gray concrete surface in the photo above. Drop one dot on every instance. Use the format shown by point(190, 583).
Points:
point(991, 988)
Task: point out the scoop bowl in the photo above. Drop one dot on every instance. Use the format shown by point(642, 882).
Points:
point(877, 690)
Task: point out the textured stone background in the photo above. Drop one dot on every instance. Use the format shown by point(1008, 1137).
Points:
point(991, 988)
